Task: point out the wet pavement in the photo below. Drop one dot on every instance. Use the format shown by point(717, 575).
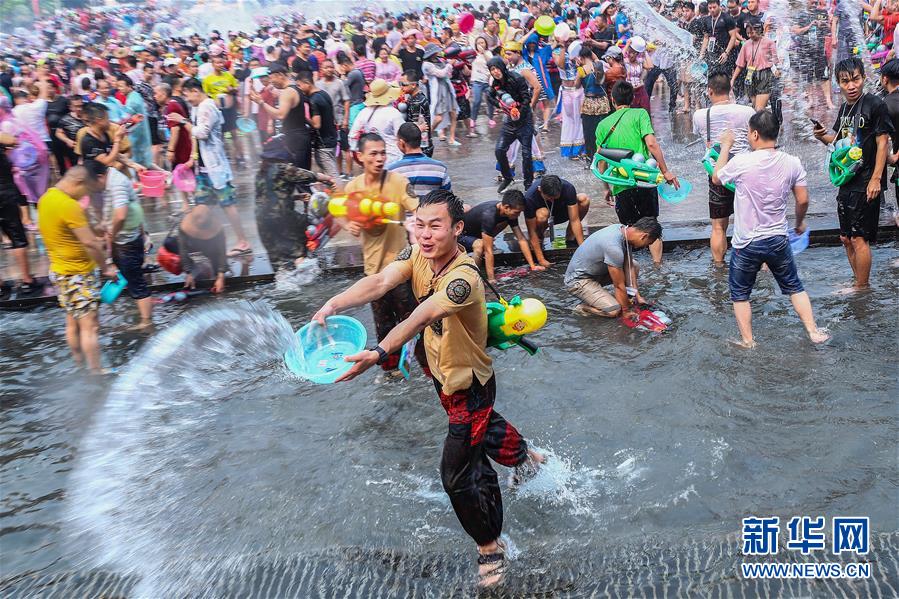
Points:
point(474, 177)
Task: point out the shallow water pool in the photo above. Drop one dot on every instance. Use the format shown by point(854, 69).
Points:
point(206, 469)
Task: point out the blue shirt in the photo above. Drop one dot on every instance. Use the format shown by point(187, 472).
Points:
point(424, 173)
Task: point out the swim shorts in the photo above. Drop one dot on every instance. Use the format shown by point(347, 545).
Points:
point(721, 201)
point(78, 294)
point(467, 241)
point(858, 216)
point(210, 196)
point(633, 204)
point(592, 293)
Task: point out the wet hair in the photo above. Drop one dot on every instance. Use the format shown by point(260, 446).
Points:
point(765, 124)
point(192, 84)
point(650, 226)
point(622, 93)
point(551, 186)
point(410, 134)
point(94, 112)
point(719, 82)
point(443, 196)
point(890, 70)
point(850, 65)
point(514, 199)
point(367, 139)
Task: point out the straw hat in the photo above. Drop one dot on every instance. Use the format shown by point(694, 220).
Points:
point(381, 93)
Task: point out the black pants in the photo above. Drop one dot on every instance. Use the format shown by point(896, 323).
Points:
point(670, 75)
point(390, 310)
point(523, 133)
point(589, 122)
point(477, 433)
point(65, 156)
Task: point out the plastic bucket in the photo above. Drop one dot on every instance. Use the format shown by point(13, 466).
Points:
point(184, 179)
point(112, 289)
point(798, 243)
point(246, 124)
point(675, 196)
point(153, 183)
point(320, 357)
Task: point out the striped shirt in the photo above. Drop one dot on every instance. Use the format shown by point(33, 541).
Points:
point(424, 173)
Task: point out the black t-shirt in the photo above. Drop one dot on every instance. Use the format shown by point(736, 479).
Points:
point(358, 40)
point(718, 30)
point(411, 60)
point(745, 19)
point(70, 126)
point(485, 218)
point(8, 187)
point(56, 109)
point(91, 147)
point(533, 201)
point(696, 27)
point(863, 122)
point(815, 37)
point(323, 107)
point(892, 102)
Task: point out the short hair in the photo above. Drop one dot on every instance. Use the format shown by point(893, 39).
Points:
point(514, 199)
point(689, 5)
point(367, 139)
point(710, 2)
point(410, 134)
point(719, 82)
point(131, 61)
point(304, 75)
point(192, 84)
point(166, 88)
point(412, 76)
point(622, 93)
point(551, 185)
point(890, 70)
point(849, 65)
point(95, 168)
point(443, 196)
point(125, 79)
point(94, 111)
point(765, 124)
point(277, 69)
point(650, 226)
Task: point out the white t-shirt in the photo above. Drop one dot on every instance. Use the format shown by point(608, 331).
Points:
point(383, 120)
point(34, 116)
point(725, 116)
point(764, 180)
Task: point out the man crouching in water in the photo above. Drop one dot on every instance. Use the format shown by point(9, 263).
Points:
point(453, 314)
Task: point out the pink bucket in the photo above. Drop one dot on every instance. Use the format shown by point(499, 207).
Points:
point(184, 179)
point(153, 183)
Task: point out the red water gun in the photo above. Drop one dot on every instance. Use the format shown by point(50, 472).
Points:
point(509, 106)
point(130, 122)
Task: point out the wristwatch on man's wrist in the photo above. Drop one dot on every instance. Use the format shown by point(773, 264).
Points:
point(382, 355)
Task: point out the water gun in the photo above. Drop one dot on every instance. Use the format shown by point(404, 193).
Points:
point(509, 322)
point(709, 160)
point(871, 45)
point(365, 211)
point(845, 161)
point(402, 103)
point(132, 121)
point(509, 106)
point(318, 235)
point(654, 321)
point(626, 169)
point(879, 56)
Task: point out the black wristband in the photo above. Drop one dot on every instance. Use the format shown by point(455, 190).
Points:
point(382, 354)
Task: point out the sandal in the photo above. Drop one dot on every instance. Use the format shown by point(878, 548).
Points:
point(236, 251)
point(492, 567)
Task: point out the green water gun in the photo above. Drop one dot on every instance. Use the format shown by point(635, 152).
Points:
point(845, 161)
point(709, 160)
point(624, 168)
point(509, 322)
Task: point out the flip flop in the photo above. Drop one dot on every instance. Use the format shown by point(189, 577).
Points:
point(235, 251)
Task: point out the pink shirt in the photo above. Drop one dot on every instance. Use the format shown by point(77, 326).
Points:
point(388, 71)
point(761, 54)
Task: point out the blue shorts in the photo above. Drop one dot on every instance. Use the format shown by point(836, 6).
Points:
point(467, 241)
point(746, 262)
point(210, 196)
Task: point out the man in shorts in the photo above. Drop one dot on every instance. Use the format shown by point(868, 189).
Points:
point(214, 178)
point(709, 123)
point(864, 119)
point(764, 178)
point(551, 201)
point(630, 129)
point(605, 259)
point(75, 253)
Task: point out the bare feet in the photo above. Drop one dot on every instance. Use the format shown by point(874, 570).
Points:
point(491, 564)
point(141, 326)
point(743, 343)
point(819, 335)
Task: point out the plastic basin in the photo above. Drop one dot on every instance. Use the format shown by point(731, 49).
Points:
point(153, 183)
point(246, 124)
point(798, 243)
point(675, 196)
point(184, 179)
point(320, 357)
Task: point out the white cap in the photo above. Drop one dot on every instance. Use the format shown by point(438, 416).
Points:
point(171, 62)
point(638, 44)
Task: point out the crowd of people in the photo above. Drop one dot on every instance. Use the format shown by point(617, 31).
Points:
point(99, 99)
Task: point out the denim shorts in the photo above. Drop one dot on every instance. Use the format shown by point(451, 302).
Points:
point(746, 262)
point(208, 195)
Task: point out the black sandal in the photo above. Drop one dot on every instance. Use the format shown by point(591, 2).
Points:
point(498, 572)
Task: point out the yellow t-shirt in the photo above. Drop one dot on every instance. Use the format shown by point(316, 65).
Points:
point(57, 215)
point(216, 85)
point(456, 346)
point(381, 244)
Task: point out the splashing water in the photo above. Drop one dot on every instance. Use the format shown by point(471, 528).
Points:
point(294, 280)
point(144, 486)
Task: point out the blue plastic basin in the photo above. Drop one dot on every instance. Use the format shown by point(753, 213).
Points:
point(320, 357)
